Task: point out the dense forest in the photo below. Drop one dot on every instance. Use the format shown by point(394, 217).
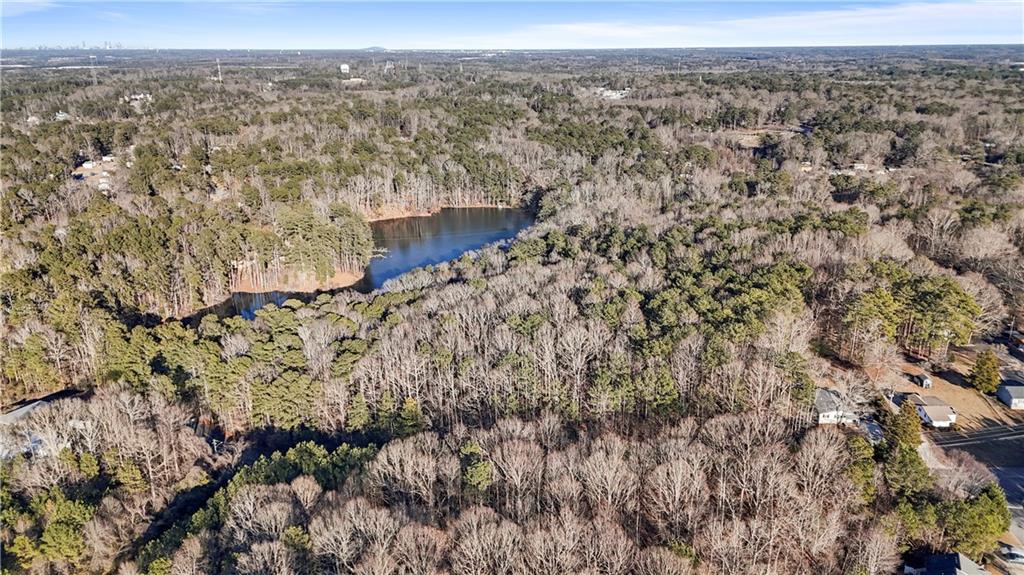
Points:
point(626, 387)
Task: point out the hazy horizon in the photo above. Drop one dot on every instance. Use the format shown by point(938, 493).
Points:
point(286, 25)
point(370, 49)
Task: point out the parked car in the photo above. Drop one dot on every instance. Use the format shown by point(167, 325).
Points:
point(872, 429)
point(1010, 554)
point(1015, 342)
point(1017, 350)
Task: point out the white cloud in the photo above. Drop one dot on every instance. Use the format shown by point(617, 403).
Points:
point(258, 7)
point(11, 8)
point(958, 22)
point(111, 16)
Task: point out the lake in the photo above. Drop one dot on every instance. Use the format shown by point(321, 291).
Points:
point(404, 245)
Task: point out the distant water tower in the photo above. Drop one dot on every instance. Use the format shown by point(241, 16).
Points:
point(344, 69)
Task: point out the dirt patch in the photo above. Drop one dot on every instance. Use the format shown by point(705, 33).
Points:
point(97, 174)
point(299, 282)
point(751, 138)
point(974, 410)
point(394, 211)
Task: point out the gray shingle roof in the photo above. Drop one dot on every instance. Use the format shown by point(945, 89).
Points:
point(22, 412)
point(1015, 390)
point(928, 400)
point(953, 564)
point(826, 400)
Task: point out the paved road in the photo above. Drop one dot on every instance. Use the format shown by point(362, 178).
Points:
point(963, 439)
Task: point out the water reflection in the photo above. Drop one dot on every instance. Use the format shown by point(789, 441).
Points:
point(408, 243)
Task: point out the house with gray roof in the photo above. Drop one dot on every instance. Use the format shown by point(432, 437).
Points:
point(953, 564)
point(828, 405)
point(12, 441)
point(16, 415)
point(1012, 394)
point(933, 411)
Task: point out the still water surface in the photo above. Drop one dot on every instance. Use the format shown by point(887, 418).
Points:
point(406, 244)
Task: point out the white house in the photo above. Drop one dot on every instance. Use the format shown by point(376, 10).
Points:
point(933, 411)
point(609, 94)
point(828, 405)
point(1012, 394)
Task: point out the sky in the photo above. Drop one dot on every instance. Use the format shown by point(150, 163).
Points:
point(285, 24)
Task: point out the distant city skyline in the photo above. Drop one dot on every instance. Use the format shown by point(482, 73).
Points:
point(268, 24)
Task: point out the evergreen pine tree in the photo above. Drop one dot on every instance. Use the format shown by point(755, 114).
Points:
point(905, 426)
point(476, 469)
point(410, 418)
point(984, 375)
point(906, 473)
point(358, 417)
point(862, 466)
point(973, 526)
point(385, 418)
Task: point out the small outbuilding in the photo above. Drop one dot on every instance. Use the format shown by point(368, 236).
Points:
point(1012, 394)
point(919, 376)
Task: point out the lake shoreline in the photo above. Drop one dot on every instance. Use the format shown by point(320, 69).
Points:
point(399, 213)
point(407, 242)
point(302, 281)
